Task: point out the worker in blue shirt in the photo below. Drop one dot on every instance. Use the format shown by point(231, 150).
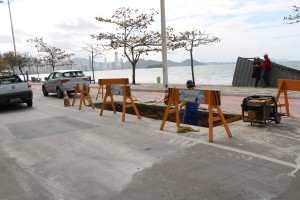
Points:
point(190, 115)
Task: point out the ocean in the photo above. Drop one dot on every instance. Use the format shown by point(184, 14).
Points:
point(205, 74)
point(219, 74)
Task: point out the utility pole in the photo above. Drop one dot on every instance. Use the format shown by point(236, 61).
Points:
point(12, 27)
point(164, 43)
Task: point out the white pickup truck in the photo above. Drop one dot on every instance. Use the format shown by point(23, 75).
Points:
point(14, 90)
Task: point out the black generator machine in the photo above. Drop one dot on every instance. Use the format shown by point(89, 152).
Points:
point(260, 109)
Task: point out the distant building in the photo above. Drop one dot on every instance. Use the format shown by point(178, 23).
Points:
point(121, 63)
point(116, 61)
point(105, 63)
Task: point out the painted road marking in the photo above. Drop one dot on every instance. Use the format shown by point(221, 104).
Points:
point(274, 160)
point(287, 137)
point(292, 174)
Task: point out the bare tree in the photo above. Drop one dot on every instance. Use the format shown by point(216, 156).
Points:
point(94, 50)
point(193, 38)
point(131, 34)
point(23, 59)
point(292, 19)
point(2, 62)
point(10, 60)
point(53, 56)
point(37, 62)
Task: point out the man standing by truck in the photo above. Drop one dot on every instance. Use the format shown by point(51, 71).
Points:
point(267, 66)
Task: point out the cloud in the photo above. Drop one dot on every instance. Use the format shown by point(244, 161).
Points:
point(79, 25)
point(246, 28)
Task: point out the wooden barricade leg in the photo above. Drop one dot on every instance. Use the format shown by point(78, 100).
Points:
point(81, 98)
point(282, 89)
point(177, 114)
point(82, 94)
point(286, 101)
point(100, 91)
point(124, 107)
point(173, 100)
point(287, 106)
point(85, 95)
point(167, 112)
point(214, 101)
point(77, 90)
point(88, 97)
point(135, 108)
point(108, 94)
point(211, 120)
point(210, 123)
point(103, 104)
point(127, 94)
point(80, 102)
point(224, 121)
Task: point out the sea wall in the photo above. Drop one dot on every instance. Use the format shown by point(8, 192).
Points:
point(243, 71)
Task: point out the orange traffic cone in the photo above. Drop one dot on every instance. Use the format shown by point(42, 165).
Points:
point(66, 99)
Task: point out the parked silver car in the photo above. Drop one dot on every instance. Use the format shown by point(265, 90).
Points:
point(59, 80)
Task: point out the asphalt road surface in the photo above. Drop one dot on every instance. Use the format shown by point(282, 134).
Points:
point(52, 152)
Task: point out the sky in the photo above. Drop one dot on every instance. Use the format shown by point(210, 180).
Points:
point(247, 28)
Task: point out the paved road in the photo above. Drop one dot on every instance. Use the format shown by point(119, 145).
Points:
point(52, 152)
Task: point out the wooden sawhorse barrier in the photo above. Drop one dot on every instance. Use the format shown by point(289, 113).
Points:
point(118, 87)
point(113, 81)
point(283, 86)
point(84, 95)
point(210, 97)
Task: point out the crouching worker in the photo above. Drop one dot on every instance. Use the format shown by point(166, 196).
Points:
point(190, 115)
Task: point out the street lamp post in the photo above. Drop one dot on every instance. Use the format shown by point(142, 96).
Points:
point(12, 28)
point(91, 61)
point(164, 43)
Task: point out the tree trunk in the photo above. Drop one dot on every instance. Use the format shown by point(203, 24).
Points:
point(20, 69)
point(93, 67)
point(133, 72)
point(23, 75)
point(192, 66)
point(37, 70)
point(12, 69)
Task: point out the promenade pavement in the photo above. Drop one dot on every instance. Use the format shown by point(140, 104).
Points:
point(231, 97)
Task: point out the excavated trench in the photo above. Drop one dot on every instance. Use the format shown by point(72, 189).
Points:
point(158, 111)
